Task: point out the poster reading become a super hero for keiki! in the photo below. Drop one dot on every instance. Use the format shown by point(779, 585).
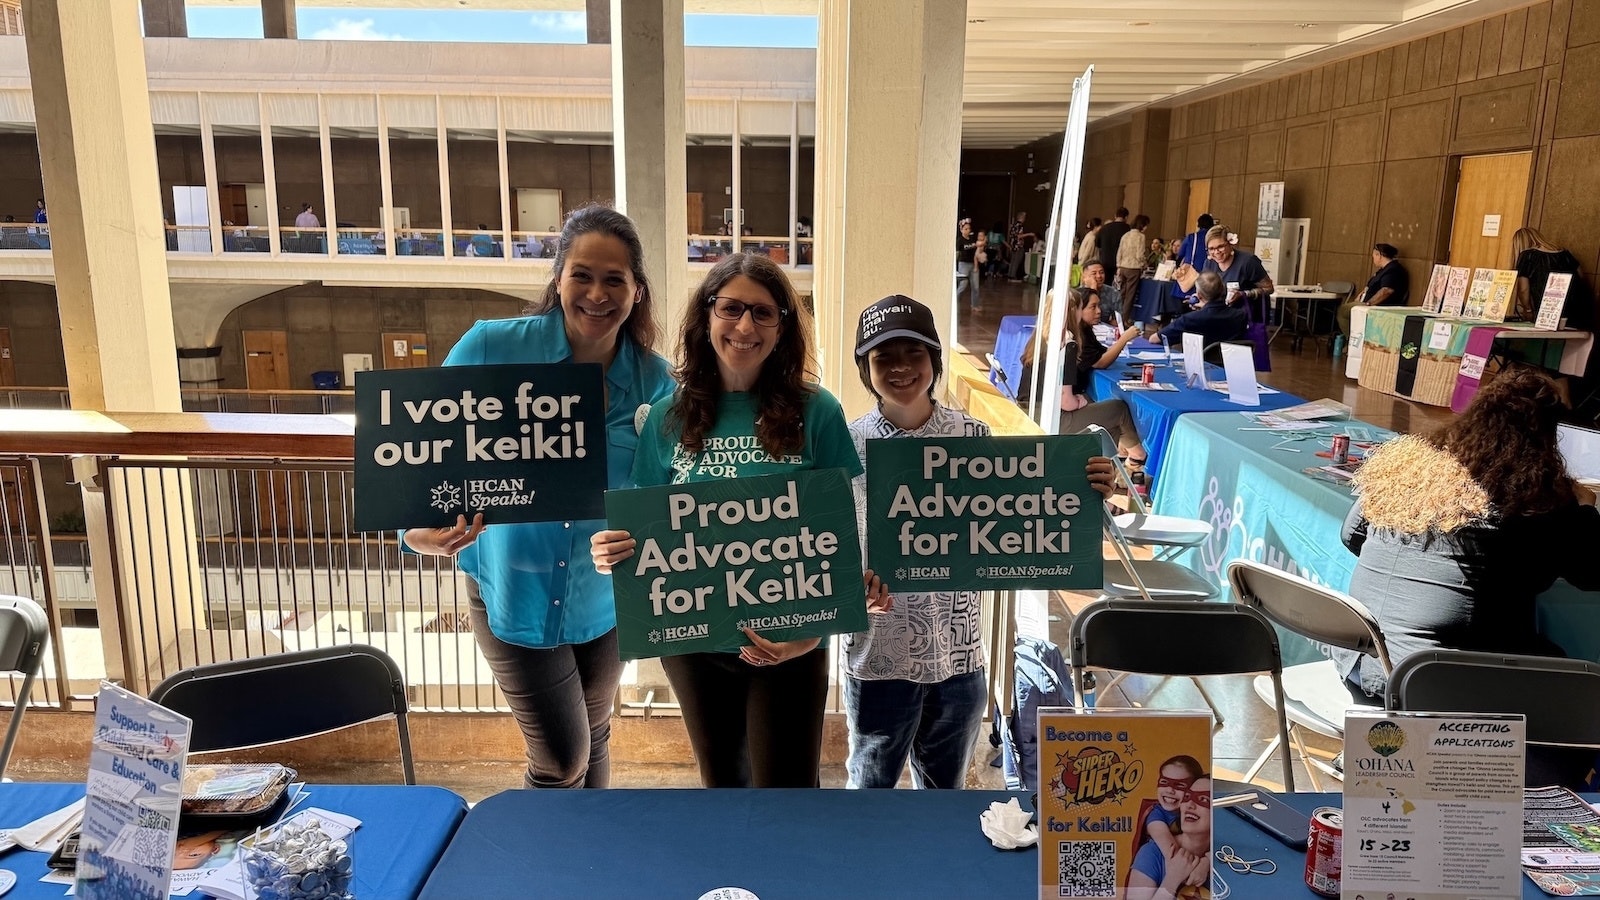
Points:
point(1124, 804)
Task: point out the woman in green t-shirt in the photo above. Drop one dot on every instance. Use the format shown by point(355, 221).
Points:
point(747, 404)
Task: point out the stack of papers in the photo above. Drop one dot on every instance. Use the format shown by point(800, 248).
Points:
point(1560, 842)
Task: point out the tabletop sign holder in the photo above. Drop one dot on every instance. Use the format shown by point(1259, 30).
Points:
point(1433, 300)
point(1455, 291)
point(1432, 804)
point(1239, 365)
point(1194, 360)
point(1555, 298)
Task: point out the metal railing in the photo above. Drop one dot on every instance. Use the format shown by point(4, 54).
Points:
point(220, 400)
point(27, 570)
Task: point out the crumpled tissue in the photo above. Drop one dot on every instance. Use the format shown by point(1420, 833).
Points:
point(1006, 825)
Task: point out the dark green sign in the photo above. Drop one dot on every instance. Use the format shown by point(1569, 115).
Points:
point(522, 443)
point(778, 554)
point(983, 513)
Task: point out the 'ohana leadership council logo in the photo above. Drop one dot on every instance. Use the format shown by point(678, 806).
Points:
point(1386, 738)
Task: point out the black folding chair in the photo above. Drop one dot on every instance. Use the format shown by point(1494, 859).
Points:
point(287, 696)
point(1179, 637)
point(24, 631)
point(1559, 697)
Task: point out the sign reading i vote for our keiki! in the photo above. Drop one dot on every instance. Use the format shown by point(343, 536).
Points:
point(777, 554)
point(983, 513)
point(518, 443)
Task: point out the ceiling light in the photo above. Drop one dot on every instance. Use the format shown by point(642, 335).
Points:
point(1306, 25)
point(1138, 24)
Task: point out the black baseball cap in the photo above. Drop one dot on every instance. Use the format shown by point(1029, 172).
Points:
point(896, 316)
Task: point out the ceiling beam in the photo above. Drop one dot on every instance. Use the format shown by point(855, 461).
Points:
point(1247, 11)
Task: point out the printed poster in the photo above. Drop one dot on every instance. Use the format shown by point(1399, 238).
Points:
point(519, 443)
point(1478, 293)
point(1269, 227)
point(984, 513)
point(1432, 805)
point(1555, 298)
point(1500, 293)
point(1121, 794)
point(778, 554)
point(1433, 300)
point(1455, 292)
point(135, 791)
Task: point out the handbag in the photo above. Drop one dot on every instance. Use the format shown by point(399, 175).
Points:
point(1185, 275)
point(1257, 333)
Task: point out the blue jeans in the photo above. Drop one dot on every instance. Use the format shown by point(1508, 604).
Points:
point(934, 724)
point(973, 275)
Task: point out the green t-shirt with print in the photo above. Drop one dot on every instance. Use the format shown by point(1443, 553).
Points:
point(732, 449)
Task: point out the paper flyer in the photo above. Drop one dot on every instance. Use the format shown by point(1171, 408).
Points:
point(984, 513)
point(1554, 300)
point(1455, 292)
point(1478, 293)
point(1124, 798)
point(1432, 805)
point(1433, 300)
point(1500, 291)
point(135, 790)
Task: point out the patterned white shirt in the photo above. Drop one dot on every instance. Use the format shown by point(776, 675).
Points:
point(927, 638)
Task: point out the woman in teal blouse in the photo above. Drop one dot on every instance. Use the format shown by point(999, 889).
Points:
point(748, 384)
point(543, 617)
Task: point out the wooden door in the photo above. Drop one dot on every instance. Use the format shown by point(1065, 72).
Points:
point(266, 360)
point(697, 213)
point(235, 203)
point(8, 366)
point(405, 350)
point(1199, 201)
point(1491, 204)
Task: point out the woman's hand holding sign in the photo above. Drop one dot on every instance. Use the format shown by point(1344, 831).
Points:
point(1102, 475)
point(445, 541)
point(879, 600)
point(609, 548)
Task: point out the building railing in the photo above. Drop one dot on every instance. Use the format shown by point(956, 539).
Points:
point(219, 400)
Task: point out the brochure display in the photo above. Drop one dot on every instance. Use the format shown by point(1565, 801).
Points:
point(984, 513)
point(1432, 805)
point(1124, 798)
point(778, 554)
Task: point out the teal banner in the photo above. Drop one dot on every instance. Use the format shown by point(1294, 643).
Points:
point(778, 554)
point(983, 513)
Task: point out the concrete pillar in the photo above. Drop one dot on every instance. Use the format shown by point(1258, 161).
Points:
point(597, 18)
point(889, 75)
point(97, 154)
point(648, 141)
point(165, 18)
point(278, 19)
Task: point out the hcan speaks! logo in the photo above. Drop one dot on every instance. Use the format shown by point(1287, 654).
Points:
point(1386, 738)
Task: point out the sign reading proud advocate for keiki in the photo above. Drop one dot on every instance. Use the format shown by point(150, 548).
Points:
point(776, 554)
point(521, 443)
point(983, 513)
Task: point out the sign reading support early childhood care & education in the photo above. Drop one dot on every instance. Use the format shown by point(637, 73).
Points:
point(778, 554)
point(983, 513)
point(517, 443)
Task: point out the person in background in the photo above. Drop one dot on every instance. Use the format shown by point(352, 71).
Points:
point(1086, 248)
point(1084, 354)
point(1192, 253)
point(1017, 241)
point(1213, 319)
point(1457, 531)
point(307, 217)
point(747, 379)
point(1246, 279)
point(39, 215)
point(543, 617)
point(1157, 255)
point(1110, 238)
point(1536, 258)
point(968, 247)
point(999, 250)
point(1388, 286)
point(1131, 254)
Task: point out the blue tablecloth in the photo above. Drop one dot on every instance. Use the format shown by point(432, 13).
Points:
point(1156, 300)
point(1012, 339)
point(404, 829)
point(1155, 413)
point(776, 843)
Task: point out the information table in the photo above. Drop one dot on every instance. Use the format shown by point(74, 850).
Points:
point(404, 830)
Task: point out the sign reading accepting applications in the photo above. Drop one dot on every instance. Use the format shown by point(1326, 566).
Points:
point(983, 513)
point(777, 554)
point(520, 443)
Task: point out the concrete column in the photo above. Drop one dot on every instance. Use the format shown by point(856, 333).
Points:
point(165, 18)
point(1147, 171)
point(648, 141)
point(597, 16)
point(278, 19)
point(889, 77)
point(97, 154)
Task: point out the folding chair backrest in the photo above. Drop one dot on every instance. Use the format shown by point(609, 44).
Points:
point(24, 629)
point(1306, 608)
point(1560, 697)
point(1174, 637)
point(1342, 288)
point(271, 699)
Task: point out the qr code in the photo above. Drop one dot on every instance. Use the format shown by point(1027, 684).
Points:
point(1087, 868)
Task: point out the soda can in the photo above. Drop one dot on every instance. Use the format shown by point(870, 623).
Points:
point(1324, 851)
point(1149, 373)
point(1341, 449)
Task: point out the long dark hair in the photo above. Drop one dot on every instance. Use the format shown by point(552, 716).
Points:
point(1507, 440)
point(787, 377)
point(597, 219)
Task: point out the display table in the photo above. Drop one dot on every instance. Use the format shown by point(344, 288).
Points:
point(1353, 347)
point(404, 829)
point(775, 843)
point(1156, 301)
point(1408, 352)
point(1156, 412)
point(1562, 351)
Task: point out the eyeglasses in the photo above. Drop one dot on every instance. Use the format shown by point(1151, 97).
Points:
point(1198, 798)
point(1179, 784)
point(1216, 248)
point(760, 313)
